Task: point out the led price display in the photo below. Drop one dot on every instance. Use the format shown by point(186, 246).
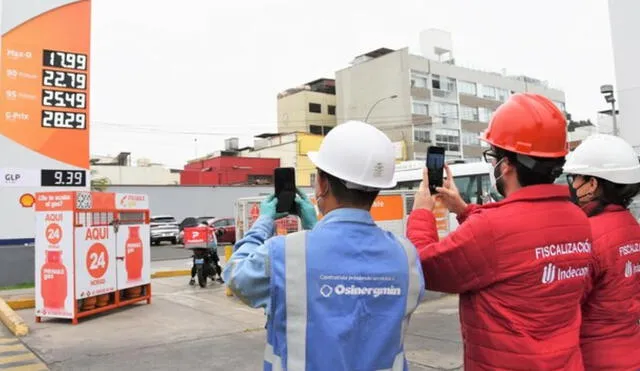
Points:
point(64, 120)
point(63, 79)
point(60, 59)
point(63, 178)
point(65, 99)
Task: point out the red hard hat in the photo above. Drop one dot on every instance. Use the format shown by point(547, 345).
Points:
point(529, 124)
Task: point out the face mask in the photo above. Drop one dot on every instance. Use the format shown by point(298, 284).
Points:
point(497, 182)
point(320, 202)
point(573, 192)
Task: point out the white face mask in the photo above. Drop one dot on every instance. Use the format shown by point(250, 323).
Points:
point(494, 181)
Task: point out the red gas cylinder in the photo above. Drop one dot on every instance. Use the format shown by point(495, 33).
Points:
point(53, 280)
point(133, 260)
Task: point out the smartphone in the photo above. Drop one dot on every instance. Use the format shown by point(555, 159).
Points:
point(435, 167)
point(284, 179)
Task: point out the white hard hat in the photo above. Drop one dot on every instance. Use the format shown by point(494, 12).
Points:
point(607, 157)
point(359, 154)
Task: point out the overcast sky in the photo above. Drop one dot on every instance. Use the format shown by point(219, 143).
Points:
point(165, 73)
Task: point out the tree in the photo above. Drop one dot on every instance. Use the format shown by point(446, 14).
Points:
point(99, 184)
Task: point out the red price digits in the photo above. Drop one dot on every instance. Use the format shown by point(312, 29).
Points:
point(97, 260)
point(54, 233)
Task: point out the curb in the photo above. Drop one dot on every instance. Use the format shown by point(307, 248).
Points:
point(30, 302)
point(12, 320)
point(174, 273)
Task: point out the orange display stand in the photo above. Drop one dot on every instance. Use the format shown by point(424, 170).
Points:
point(92, 253)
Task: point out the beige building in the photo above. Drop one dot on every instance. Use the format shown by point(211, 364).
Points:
point(310, 108)
point(429, 99)
point(118, 170)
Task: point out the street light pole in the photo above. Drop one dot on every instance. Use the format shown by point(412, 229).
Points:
point(607, 91)
point(614, 116)
point(366, 119)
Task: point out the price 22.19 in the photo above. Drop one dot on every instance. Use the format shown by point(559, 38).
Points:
point(57, 98)
point(64, 120)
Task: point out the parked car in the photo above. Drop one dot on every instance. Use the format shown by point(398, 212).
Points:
point(225, 229)
point(164, 228)
point(190, 222)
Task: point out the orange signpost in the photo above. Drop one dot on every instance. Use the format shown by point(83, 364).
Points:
point(92, 253)
point(45, 76)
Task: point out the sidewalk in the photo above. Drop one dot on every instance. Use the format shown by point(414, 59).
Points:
point(191, 328)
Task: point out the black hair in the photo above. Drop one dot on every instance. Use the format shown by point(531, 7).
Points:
point(347, 196)
point(532, 170)
point(614, 193)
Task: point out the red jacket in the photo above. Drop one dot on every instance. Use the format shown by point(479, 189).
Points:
point(521, 266)
point(610, 335)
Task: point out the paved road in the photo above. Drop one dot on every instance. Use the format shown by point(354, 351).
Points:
point(189, 328)
point(17, 262)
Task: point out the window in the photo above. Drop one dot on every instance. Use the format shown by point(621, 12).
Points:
point(220, 223)
point(502, 94)
point(469, 113)
point(418, 80)
point(470, 138)
point(435, 81)
point(312, 179)
point(421, 135)
point(315, 129)
point(488, 92)
point(320, 130)
point(451, 85)
point(332, 110)
point(449, 139)
point(449, 110)
point(466, 87)
point(419, 108)
point(315, 108)
point(260, 179)
point(485, 114)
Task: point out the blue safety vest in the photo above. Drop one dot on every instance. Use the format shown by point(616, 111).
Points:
point(341, 298)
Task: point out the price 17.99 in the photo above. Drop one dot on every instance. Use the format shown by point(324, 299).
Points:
point(64, 120)
point(65, 99)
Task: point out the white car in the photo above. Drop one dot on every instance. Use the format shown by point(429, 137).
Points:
point(164, 228)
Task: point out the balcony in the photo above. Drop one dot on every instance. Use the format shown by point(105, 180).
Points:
point(445, 95)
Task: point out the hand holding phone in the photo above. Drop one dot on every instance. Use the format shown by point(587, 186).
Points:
point(435, 167)
point(285, 189)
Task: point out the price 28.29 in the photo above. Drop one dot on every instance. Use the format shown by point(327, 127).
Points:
point(65, 99)
point(64, 120)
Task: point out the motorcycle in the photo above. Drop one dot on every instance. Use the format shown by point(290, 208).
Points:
point(205, 266)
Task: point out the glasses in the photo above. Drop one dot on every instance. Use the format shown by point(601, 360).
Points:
point(489, 155)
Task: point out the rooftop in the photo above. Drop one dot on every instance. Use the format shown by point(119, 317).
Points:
point(322, 85)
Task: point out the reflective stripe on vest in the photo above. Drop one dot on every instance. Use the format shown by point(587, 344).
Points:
point(296, 303)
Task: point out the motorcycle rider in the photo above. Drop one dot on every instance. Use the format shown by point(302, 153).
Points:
point(604, 177)
point(213, 256)
point(521, 264)
point(338, 295)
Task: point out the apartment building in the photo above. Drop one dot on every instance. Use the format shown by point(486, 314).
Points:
point(309, 108)
point(427, 99)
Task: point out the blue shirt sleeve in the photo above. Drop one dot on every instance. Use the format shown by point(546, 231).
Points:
point(423, 291)
point(248, 271)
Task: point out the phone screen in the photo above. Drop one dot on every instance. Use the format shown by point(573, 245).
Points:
point(435, 167)
point(285, 189)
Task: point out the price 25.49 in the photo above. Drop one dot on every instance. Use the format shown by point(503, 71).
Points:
point(64, 120)
point(65, 99)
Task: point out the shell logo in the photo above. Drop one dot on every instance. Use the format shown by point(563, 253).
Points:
point(27, 200)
